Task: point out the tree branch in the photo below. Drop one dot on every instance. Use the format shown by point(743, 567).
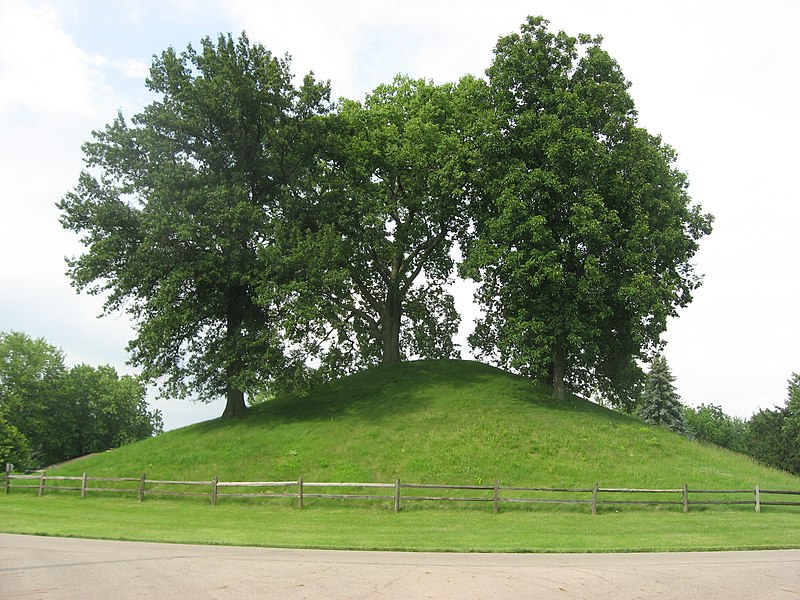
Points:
point(426, 249)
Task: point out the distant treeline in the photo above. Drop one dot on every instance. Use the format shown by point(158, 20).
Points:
point(771, 436)
point(50, 413)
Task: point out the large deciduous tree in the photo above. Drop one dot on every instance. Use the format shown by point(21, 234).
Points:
point(181, 212)
point(397, 196)
point(585, 233)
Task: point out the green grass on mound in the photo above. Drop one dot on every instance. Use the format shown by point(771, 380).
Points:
point(445, 422)
point(451, 422)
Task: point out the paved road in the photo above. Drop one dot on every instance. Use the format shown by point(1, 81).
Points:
point(40, 567)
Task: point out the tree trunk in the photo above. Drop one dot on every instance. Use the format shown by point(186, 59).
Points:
point(391, 318)
point(559, 390)
point(235, 406)
point(391, 329)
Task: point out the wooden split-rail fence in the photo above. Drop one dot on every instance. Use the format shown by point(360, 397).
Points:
point(398, 492)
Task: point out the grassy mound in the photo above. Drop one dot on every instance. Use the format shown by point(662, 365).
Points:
point(452, 422)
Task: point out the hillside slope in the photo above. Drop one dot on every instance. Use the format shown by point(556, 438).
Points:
point(453, 422)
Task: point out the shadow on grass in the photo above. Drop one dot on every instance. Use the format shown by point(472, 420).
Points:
point(377, 393)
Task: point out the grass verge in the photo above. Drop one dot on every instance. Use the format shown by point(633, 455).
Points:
point(377, 528)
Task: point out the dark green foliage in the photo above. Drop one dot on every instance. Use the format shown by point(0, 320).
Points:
point(709, 424)
point(767, 441)
point(14, 447)
point(774, 434)
point(396, 198)
point(30, 371)
point(584, 233)
point(110, 410)
point(660, 404)
point(182, 210)
point(252, 232)
point(49, 413)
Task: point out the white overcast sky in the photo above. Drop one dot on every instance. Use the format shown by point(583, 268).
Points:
point(719, 80)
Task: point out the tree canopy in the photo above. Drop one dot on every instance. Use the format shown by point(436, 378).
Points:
point(774, 434)
point(50, 413)
point(397, 193)
point(584, 234)
point(181, 213)
point(14, 447)
point(709, 423)
point(256, 232)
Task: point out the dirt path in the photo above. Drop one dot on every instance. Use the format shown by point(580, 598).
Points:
point(40, 567)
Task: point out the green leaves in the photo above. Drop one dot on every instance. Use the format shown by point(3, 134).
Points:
point(49, 413)
point(584, 233)
point(397, 197)
point(179, 209)
point(14, 447)
point(773, 435)
point(252, 229)
point(709, 423)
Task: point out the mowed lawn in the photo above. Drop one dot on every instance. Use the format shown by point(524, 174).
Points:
point(420, 529)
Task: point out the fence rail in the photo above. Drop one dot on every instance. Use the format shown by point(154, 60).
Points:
point(415, 492)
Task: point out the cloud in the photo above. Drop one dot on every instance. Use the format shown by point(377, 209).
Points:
point(52, 94)
point(359, 45)
point(41, 69)
point(130, 67)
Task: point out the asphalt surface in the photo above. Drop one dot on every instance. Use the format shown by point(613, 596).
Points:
point(40, 567)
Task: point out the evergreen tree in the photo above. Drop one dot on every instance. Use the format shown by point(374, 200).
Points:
point(660, 404)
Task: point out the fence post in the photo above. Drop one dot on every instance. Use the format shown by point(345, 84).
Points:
point(397, 495)
point(9, 470)
point(214, 484)
point(42, 478)
point(83, 486)
point(496, 498)
point(594, 498)
point(300, 492)
point(685, 498)
point(758, 498)
point(141, 487)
